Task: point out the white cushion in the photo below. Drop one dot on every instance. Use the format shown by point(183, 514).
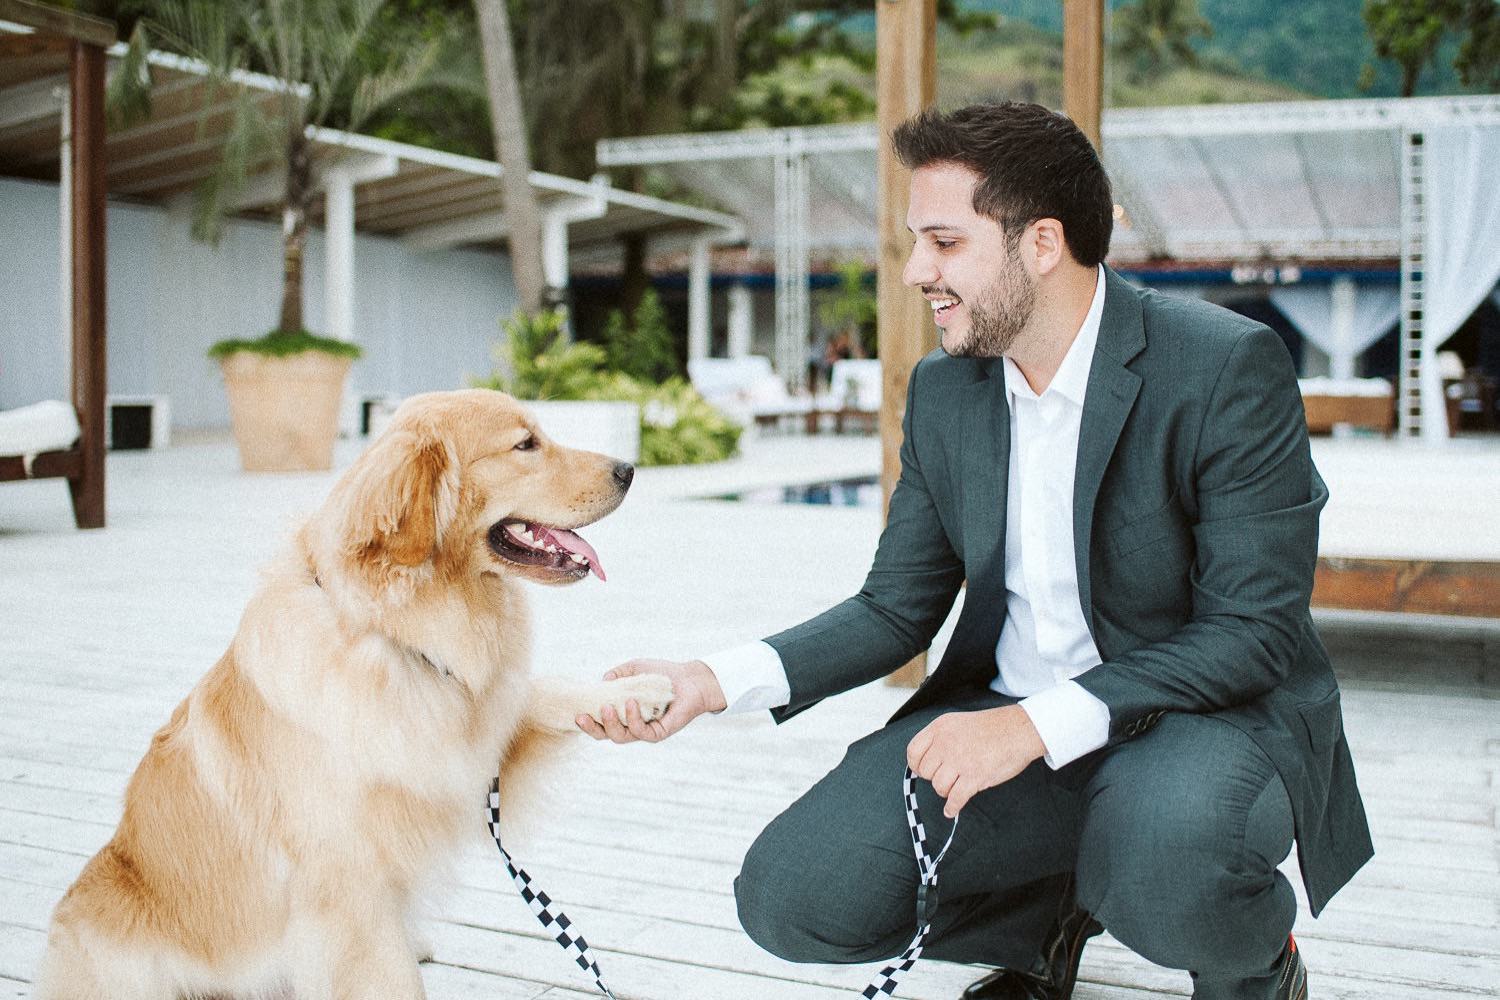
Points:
point(1323, 386)
point(30, 430)
point(856, 381)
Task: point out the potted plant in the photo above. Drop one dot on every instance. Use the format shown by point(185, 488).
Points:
point(561, 382)
point(335, 61)
point(284, 394)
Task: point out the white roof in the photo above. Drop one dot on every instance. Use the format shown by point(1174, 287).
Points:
point(425, 196)
point(1311, 180)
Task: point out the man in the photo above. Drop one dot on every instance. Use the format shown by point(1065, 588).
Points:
point(1134, 715)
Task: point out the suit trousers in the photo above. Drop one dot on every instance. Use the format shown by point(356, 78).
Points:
point(1171, 839)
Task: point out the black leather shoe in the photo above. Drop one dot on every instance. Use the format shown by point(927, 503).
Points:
point(1056, 970)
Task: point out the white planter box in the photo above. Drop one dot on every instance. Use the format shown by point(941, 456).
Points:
point(611, 428)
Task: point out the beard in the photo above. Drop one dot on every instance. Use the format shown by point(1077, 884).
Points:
point(999, 313)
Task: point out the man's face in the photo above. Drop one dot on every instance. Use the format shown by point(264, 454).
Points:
point(981, 292)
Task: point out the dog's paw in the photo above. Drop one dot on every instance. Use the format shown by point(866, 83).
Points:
point(652, 692)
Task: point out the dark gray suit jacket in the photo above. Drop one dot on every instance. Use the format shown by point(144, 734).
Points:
point(1195, 523)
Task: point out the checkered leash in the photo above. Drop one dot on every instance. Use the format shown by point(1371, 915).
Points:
point(541, 904)
point(927, 896)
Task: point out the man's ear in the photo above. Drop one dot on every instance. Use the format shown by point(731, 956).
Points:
point(1048, 244)
point(402, 499)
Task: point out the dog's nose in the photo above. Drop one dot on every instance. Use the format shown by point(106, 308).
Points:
point(624, 473)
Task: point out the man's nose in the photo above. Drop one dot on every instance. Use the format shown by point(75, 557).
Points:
point(918, 270)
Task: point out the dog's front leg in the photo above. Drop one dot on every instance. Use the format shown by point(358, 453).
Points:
point(360, 949)
point(557, 702)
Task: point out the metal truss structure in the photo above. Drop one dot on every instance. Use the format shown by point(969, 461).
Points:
point(1252, 184)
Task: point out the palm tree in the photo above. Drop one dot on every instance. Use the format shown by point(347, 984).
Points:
point(1156, 35)
point(334, 61)
point(509, 123)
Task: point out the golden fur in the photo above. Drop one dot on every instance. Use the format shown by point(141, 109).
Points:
point(281, 823)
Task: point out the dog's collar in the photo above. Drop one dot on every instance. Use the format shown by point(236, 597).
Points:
point(432, 664)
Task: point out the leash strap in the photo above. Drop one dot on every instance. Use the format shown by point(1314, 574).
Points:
point(541, 905)
point(927, 895)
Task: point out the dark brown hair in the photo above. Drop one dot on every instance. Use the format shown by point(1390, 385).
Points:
point(1033, 164)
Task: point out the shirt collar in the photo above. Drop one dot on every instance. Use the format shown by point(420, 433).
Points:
point(1072, 378)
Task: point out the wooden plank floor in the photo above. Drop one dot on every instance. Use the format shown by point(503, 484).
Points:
point(102, 633)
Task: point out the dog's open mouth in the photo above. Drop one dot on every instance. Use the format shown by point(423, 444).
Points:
point(555, 549)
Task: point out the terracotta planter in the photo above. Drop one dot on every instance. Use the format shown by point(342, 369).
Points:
point(285, 410)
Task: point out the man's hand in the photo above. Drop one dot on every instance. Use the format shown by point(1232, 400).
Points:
point(695, 690)
point(963, 753)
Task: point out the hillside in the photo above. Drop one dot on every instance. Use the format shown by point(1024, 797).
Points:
point(1022, 61)
point(1315, 46)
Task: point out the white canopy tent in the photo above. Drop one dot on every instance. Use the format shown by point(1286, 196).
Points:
point(1347, 181)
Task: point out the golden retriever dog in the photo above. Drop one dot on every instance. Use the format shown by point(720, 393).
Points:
point(281, 823)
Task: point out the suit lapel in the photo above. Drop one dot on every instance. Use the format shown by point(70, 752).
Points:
point(1111, 395)
point(986, 415)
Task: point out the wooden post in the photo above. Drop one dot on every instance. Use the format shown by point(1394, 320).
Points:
point(86, 97)
point(1083, 65)
point(906, 83)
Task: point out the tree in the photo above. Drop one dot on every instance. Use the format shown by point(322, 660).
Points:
point(333, 63)
point(1478, 59)
point(1154, 36)
point(523, 216)
point(1408, 32)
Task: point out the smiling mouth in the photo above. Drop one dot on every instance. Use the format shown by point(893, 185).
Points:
point(557, 550)
point(942, 308)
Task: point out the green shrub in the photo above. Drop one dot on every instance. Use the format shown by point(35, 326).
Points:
point(282, 343)
point(678, 426)
point(541, 364)
point(642, 348)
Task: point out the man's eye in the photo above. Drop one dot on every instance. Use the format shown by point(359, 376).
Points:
point(527, 443)
point(944, 244)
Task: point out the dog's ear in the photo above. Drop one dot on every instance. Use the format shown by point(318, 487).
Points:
point(402, 498)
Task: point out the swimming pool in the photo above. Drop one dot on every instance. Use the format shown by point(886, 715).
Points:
point(861, 491)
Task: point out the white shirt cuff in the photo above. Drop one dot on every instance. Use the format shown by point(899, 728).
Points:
point(751, 677)
point(1070, 721)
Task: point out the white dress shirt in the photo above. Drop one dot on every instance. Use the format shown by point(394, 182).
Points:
point(1045, 641)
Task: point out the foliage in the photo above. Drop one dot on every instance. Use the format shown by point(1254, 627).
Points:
point(541, 363)
point(1153, 36)
point(1478, 58)
point(643, 349)
point(280, 344)
point(678, 426)
point(1411, 33)
point(852, 305)
point(1408, 33)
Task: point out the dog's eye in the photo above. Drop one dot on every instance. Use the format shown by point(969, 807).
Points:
point(527, 443)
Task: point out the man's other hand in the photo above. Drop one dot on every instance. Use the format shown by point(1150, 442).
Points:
point(963, 753)
point(695, 690)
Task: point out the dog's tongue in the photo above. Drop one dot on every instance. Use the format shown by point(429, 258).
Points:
point(565, 539)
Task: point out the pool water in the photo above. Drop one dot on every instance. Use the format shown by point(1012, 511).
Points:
point(863, 491)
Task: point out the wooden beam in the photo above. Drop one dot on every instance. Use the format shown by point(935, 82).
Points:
point(1415, 586)
point(27, 46)
point(47, 465)
point(87, 111)
point(52, 21)
point(1083, 65)
point(906, 83)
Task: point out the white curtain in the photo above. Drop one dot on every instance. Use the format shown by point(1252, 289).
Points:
point(1341, 319)
point(1462, 245)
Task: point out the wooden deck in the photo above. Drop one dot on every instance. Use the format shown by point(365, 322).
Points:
point(101, 634)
